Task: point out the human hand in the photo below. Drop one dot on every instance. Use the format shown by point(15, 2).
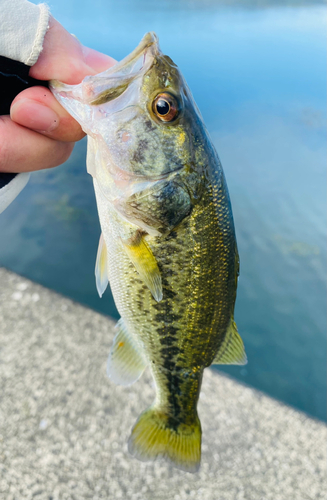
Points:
point(39, 133)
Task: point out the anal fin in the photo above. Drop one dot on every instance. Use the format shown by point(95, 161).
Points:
point(145, 263)
point(231, 352)
point(126, 362)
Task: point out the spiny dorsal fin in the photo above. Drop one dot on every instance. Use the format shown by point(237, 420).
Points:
point(145, 263)
point(126, 362)
point(101, 267)
point(231, 352)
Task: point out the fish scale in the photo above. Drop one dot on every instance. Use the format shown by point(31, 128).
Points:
point(195, 337)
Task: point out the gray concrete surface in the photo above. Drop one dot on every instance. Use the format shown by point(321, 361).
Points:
point(64, 425)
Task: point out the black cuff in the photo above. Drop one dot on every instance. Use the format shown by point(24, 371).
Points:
point(13, 79)
point(5, 178)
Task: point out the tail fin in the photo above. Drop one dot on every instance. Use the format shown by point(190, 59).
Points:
point(153, 436)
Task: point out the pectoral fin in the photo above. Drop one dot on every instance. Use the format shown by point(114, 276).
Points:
point(231, 352)
point(101, 267)
point(145, 263)
point(126, 362)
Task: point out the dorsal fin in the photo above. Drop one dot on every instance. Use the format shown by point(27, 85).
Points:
point(231, 351)
point(145, 263)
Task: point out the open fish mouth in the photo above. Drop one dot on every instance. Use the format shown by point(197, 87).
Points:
point(149, 45)
point(111, 83)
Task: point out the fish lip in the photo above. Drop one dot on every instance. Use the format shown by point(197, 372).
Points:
point(124, 70)
point(150, 39)
point(92, 85)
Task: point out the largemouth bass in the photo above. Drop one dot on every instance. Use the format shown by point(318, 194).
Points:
point(168, 244)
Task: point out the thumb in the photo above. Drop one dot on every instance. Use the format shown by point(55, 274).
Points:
point(64, 58)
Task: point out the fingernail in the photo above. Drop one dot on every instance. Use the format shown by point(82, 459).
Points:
point(33, 115)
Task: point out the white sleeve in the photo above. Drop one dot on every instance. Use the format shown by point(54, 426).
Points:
point(23, 26)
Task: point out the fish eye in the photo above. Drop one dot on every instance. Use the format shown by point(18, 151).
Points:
point(165, 107)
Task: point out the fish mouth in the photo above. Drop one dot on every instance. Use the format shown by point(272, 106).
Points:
point(111, 83)
point(106, 86)
point(148, 44)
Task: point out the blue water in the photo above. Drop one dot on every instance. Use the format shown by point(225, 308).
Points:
point(257, 72)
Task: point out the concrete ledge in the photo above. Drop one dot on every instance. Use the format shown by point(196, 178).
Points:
point(64, 425)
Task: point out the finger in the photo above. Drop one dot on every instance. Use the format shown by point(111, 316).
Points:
point(97, 61)
point(37, 109)
point(23, 150)
point(64, 58)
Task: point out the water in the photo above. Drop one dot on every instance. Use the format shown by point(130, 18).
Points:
point(256, 70)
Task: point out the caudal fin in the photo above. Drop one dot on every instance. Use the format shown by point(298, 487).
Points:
point(153, 436)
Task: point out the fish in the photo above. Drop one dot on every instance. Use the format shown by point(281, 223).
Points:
point(168, 245)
